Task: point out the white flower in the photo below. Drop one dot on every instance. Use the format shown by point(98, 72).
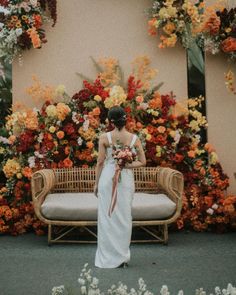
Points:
point(95, 281)
point(4, 10)
point(19, 32)
point(34, 3)
point(81, 281)
point(164, 290)
point(58, 290)
point(210, 211)
point(83, 290)
point(80, 141)
point(40, 137)
point(86, 125)
point(31, 162)
point(215, 206)
point(181, 292)
point(4, 140)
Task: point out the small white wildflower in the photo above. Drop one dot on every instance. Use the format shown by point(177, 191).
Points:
point(81, 281)
point(40, 137)
point(86, 125)
point(181, 292)
point(31, 162)
point(164, 290)
point(83, 290)
point(59, 290)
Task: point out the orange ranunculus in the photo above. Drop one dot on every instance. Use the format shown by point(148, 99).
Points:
point(152, 30)
point(150, 129)
point(96, 111)
point(11, 139)
point(191, 154)
point(202, 171)
point(60, 134)
point(67, 163)
point(229, 44)
point(209, 148)
point(27, 172)
point(90, 144)
point(8, 214)
point(198, 164)
point(212, 24)
point(161, 129)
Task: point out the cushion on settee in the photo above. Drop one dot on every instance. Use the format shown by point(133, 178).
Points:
point(83, 206)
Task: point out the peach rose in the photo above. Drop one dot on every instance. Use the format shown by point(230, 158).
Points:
point(161, 129)
point(191, 154)
point(60, 134)
point(229, 44)
point(139, 99)
point(67, 163)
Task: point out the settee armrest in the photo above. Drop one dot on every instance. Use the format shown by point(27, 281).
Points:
point(172, 181)
point(42, 182)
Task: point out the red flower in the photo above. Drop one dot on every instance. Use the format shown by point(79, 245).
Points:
point(69, 128)
point(178, 158)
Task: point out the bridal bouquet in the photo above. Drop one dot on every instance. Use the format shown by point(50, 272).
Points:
point(123, 155)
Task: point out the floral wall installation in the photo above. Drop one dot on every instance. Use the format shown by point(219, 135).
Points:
point(64, 133)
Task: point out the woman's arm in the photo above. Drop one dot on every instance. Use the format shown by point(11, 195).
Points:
point(100, 161)
point(140, 154)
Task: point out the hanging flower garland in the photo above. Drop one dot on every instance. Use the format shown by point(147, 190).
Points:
point(21, 24)
point(212, 28)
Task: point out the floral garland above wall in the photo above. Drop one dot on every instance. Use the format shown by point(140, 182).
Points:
point(212, 28)
point(21, 24)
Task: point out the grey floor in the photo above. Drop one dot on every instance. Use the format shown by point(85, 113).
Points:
point(191, 260)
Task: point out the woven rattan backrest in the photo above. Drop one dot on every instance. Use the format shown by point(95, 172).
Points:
point(83, 179)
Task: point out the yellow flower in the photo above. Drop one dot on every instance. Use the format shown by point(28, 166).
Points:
point(11, 168)
point(51, 111)
point(62, 110)
point(60, 90)
point(117, 97)
point(19, 175)
point(148, 136)
point(97, 98)
point(2, 150)
point(169, 28)
point(52, 129)
point(213, 158)
point(194, 125)
point(158, 150)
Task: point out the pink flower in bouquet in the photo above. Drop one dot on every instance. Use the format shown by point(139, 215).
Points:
point(123, 156)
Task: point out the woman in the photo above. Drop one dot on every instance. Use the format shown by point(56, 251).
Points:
point(114, 231)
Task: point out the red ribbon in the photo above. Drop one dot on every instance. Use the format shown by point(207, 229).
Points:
point(114, 191)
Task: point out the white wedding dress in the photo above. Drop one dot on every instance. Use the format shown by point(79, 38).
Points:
point(114, 232)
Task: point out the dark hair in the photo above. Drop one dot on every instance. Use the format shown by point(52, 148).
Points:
point(117, 116)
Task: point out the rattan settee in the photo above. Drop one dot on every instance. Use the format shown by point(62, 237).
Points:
point(60, 185)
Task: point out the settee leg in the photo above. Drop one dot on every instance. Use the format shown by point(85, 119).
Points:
point(49, 234)
point(165, 232)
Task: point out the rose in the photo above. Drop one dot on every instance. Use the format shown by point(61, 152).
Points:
point(229, 44)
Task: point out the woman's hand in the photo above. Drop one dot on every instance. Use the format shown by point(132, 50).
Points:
point(95, 190)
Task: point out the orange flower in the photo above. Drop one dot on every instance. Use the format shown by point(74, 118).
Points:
point(208, 201)
point(27, 172)
point(152, 27)
point(209, 148)
point(60, 134)
point(139, 99)
point(11, 139)
point(156, 102)
point(191, 154)
point(212, 24)
point(34, 37)
point(96, 111)
point(90, 144)
point(161, 129)
point(67, 163)
point(229, 44)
